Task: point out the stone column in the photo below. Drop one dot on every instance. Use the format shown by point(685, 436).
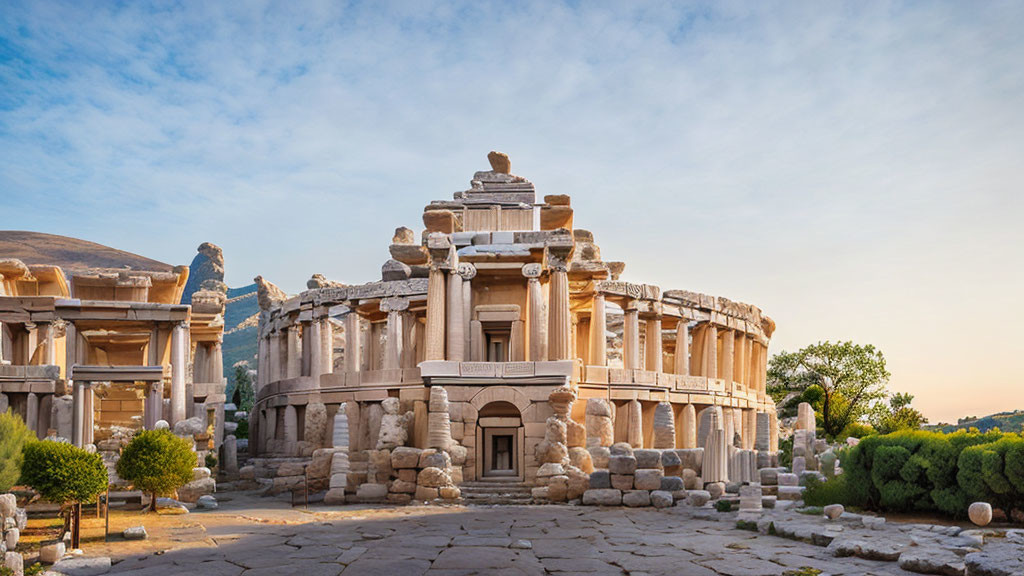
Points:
point(559, 321)
point(653, 345)
point(664, 427)
point(262, 362)
point(179, 360)
point(78, 416)
point(598, 330)
point(275, 357)
point(293, 362)
point(687, 432)
point(200, 363)
point(682, 356)
point(352, 341)
point(395, 308)
point(739, 357)
point(32, 412)
point(727, 360)
point(154, 404)
point(316, 350)
point(88, 414)
point(631, 337)
point(45, 335)
point(468, 272)
point(456, 329)
point(435, 333)
point(216, 362)
point(715, 467)
point(711, 351)
point(635, 424)
point(326, 347)
point(537, 314)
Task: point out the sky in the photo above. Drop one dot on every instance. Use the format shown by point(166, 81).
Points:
point(854, 169)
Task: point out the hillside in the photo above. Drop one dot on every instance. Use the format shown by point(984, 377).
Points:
point(1005, 421)
point(240, 325)
point(70, 253)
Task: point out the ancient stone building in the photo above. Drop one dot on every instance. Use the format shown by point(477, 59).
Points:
point(88, 352)
point(507, 306)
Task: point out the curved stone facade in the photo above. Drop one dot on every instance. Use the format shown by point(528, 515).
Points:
point(507, 306)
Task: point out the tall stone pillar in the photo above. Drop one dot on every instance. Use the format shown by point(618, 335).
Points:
point(154, 404)
point(715, 467)
point(32, 411)
point(711, 351)
point(687, 433)
point(200, 363)
point(395, 308)
point(537, 314)
point(88, 414)
point(435, 333)
point(179, 361)
point(326, 346)
point(456, 330)
point(726, 363)
point(216, 362)
point(635, 424)
point(352, 341)
point(49, 346)
point(682, 355)
point(294, 358)
point(631, 337)
point(468, 272)
point(739, 370)
point(598, 330)
point(559, 321)
point(664, 427)
point(78, 414)
point(652, 335)
point(275, 357)
point(316, 350)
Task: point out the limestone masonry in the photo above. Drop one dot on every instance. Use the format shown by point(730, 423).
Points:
point(487, 359)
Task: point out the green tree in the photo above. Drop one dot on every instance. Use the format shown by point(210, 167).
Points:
point(13, 437)
point(158, 462)
point(897, 414)
point(243, 384)
point(63, 473)
point(851, 378)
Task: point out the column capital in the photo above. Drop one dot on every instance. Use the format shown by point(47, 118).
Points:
point(394, 304)
point(533, 270)
point(467, 270)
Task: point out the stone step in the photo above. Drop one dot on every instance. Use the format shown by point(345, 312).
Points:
point(496, 492)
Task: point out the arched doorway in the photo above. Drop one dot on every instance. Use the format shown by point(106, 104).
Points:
point(500, 440)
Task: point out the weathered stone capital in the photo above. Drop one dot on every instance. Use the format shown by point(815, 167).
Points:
point(467, 270)
point(532, 270)
point(394, 304)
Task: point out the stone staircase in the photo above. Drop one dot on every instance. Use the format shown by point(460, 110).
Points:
point(492, 491)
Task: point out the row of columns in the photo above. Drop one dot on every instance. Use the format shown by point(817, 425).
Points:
point(304, 349)
point(34, 345)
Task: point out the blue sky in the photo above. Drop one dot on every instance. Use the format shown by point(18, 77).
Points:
point(852, 168)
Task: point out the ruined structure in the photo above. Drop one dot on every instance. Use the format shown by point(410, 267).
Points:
point(91, 354)
point(507, 306)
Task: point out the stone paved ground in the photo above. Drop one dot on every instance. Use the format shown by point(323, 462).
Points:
point(256, 537)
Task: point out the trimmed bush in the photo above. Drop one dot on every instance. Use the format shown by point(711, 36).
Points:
point(63, 473)
point(832, 491)
point(157, 462)
point(13, 437)
point(930, 471)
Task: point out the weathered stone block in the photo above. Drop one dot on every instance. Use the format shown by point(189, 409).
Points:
point(622, 481)
point(622, 464)
point(602, 497)
point(636, 498)
point(405, 457)
point(600, 479)
point(647, 458)
point(661, 499)
point(647, 479)
point(672, 484)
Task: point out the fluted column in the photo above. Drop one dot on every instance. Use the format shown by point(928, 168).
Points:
point(294, 358)
point(395, 308)
point(711, 351)
point(631, 337)
point(537, 315)
point(326, 344)
point(468, 272)
point(216, 357)
point(682, 357)
point(352, 341)
point(435, 333)
point(559, 322)
point(598, 329)
point(179, 358)
point(456, 330)
point(316, 350)
point(275, 357)
point(652, 336)
point(728, 354)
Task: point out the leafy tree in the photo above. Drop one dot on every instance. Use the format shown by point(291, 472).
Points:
point(243, 384)
point(851, 378)
point(13, 437)
point(158, 462)
point(897, 414)
point(64, 473)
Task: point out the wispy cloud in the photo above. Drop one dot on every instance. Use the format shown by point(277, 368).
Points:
point(852, 168)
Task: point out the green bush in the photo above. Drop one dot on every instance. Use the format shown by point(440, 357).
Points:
point(723, 506)
point(856, 430)
point(63, 473)
point(243, 429)
point(13, 437)
point(210, 461)
point(786, 452)
point(157, 462)
point(930, 471)
point(832, 491)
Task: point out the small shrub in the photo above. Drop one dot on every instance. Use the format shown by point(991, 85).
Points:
point(210, 461)
point(723, 506)
point(832, 491)
point(13, 437)
point(157, 462)
point(747, 525)
point(786, 452)
point(243, 430)
point(63, 473)
point(811, 510)
point(35, 569)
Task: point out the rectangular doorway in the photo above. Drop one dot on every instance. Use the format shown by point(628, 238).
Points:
point(501, 458)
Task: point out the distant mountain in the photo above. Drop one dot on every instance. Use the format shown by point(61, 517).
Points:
point(241, 318)
point(71, 254)
point(1005, 421)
